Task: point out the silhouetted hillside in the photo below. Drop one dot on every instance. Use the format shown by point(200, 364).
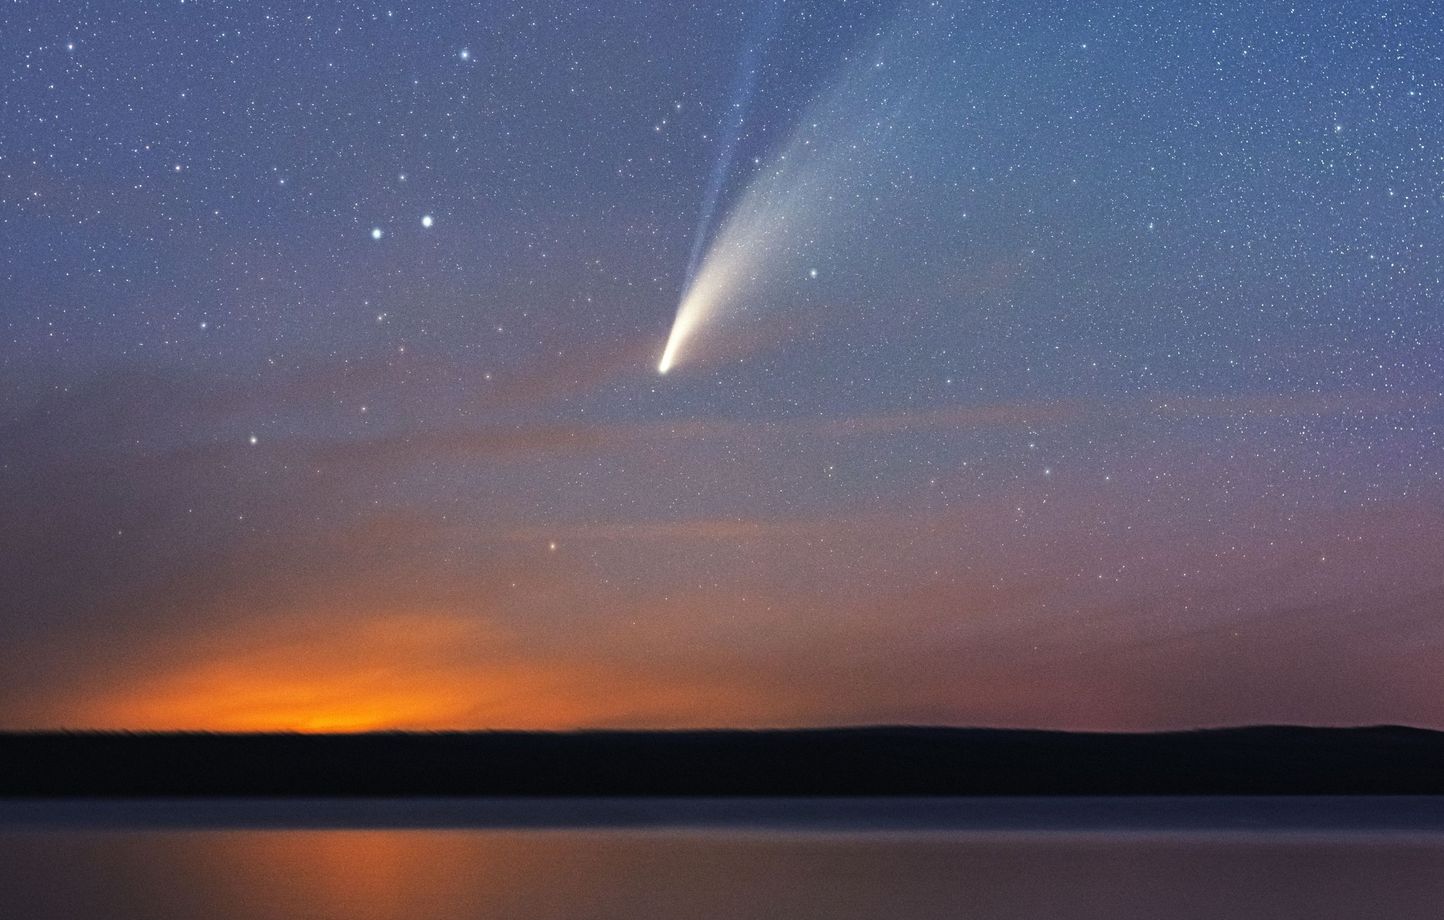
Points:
point(848, 762)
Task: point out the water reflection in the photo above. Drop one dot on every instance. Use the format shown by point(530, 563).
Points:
point(423, 874)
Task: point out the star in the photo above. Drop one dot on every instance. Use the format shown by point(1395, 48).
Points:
point(426, 221)
point(377, 233)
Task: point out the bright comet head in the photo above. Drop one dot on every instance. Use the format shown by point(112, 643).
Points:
point(669, 354)
point(696, 304)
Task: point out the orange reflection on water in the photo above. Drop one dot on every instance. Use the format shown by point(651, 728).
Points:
point(553, 874)
point(589, 873)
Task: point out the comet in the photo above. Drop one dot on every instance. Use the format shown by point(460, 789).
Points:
point(848, 164)
point(743, 88)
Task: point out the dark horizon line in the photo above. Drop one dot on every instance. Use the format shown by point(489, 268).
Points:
point(857, 761)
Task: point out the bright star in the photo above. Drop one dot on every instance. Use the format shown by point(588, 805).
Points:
point(376, 233)
point(426, 221)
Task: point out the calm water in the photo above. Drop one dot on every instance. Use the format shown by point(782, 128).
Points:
point(1156, 859)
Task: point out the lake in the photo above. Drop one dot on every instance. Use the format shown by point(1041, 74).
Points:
point(900, 858)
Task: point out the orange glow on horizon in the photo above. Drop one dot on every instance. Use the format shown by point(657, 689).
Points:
point(399, 672)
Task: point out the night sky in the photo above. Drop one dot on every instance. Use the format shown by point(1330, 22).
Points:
point(1067, 365)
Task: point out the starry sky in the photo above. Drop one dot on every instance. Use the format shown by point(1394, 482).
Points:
point(1071, 365)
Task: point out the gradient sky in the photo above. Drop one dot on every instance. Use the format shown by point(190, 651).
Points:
point(1104, 392)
